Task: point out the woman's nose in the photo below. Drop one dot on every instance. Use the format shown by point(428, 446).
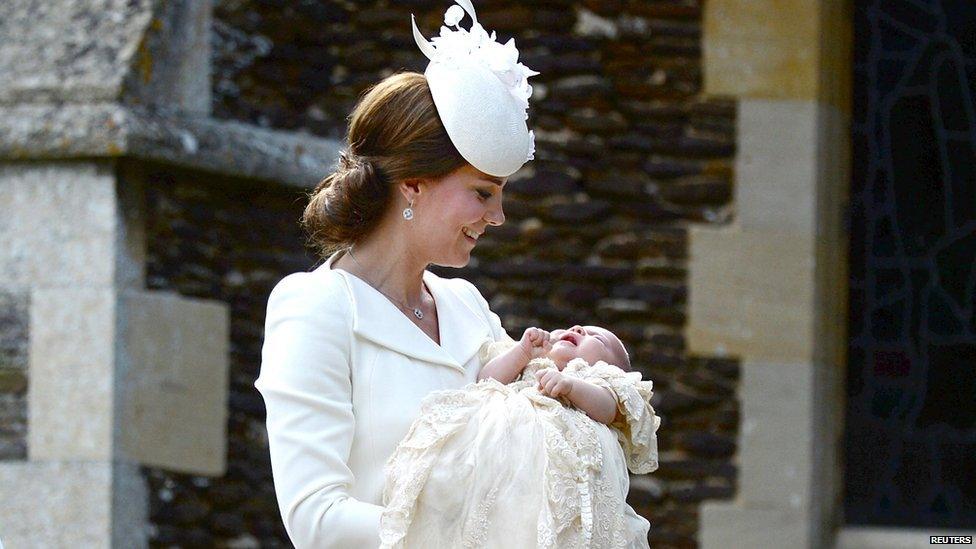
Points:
point(495, 216)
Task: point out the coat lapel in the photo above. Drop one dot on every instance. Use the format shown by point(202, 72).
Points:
point(463, 325)
point(462, 328)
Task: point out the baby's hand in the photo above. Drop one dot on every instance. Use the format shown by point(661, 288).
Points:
point(554, 383)
point(535, 343)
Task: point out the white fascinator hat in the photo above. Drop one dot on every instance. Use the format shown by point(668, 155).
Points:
point(481, 93)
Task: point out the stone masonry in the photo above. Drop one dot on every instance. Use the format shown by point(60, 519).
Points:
point(627, 155)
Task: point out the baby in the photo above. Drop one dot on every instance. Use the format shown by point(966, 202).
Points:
point(590, 343)
point(536, 453)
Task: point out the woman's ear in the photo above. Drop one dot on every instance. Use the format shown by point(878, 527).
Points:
point(411, 189)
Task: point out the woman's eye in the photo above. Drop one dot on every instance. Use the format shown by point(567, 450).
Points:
point(484, 194)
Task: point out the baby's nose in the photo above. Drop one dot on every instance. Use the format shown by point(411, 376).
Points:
point(578, 329)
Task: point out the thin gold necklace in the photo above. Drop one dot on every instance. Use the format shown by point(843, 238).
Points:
point(416, 310)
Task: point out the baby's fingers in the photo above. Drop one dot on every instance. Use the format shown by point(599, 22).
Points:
point(551, 386)
point(544, 377)
point(562, 388)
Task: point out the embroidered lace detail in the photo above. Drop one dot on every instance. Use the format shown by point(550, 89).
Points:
point(583, 490)
point(476, 525)
point(638, 436)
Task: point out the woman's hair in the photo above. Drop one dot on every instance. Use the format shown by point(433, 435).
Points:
point(394, 134)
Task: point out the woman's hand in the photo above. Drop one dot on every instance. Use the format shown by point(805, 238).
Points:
point(554, 383)
point(535, 343)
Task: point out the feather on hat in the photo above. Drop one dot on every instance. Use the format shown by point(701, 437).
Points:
point(481, 93)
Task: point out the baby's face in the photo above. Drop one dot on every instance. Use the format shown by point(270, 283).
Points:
point(591, 343)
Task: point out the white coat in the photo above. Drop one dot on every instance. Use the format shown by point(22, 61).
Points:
point(343, 372)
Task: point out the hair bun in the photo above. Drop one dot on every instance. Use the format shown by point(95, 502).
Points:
point(394, 134)
point(347, 203)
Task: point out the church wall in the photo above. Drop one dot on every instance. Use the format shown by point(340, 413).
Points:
point(628, 154)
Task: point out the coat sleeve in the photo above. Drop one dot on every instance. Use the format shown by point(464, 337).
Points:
point(500, 340)
point(498, 333)
point(306, 384)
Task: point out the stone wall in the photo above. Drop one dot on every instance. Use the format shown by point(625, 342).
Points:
point(14, 333)
point(628, 155)
point(230, 240)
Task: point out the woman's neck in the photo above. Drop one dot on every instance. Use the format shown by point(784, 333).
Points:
point(387, 264)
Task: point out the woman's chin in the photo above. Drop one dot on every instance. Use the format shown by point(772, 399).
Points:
point(454, 261)
point(458, 263)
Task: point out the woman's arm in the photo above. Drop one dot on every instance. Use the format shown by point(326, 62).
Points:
point(306, 384)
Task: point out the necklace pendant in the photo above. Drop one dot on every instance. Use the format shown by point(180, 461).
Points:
point(418, 313)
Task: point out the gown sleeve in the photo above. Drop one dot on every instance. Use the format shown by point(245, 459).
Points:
point(637, 431)
point(306, 385)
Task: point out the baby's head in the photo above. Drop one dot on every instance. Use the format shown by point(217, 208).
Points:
point(591, 343)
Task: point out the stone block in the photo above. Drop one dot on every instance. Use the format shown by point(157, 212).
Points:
point(173, 382)
point(130, 506)
point(69, 51)
point(776, 437)
point(762, 48)
point(67, 131)
point(58, 224)
point(777, 168)
point(72, 360)
point(13, 332)
point(141, 52)
point(171, 67)
point(56, 504)
point(729, 526)
point(757, 68)
point(866, 537)
point(751, 294)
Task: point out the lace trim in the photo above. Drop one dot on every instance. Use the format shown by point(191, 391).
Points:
point(442, 413)
point(490, 349)
point(638, 435)
point(582, 508)
point(476, 525)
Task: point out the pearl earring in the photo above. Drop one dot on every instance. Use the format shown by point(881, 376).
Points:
point(408, 212)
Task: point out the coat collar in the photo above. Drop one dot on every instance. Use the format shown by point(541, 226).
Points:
point(462, 326)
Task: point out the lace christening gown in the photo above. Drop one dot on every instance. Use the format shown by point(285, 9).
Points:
point(503, 466)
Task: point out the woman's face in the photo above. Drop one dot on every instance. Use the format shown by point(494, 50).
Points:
point(591, 343)
point(452, 213)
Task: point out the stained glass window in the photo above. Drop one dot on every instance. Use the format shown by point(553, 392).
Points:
point(911, 390)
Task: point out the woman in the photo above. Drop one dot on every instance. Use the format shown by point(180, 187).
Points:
point(352, 347)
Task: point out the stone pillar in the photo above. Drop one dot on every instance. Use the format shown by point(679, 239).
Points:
point(116, 376)
point(771, 288)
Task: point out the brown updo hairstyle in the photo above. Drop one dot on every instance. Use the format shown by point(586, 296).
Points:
point(394, 134)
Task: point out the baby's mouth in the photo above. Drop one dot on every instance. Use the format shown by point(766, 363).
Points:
point(570, 337)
